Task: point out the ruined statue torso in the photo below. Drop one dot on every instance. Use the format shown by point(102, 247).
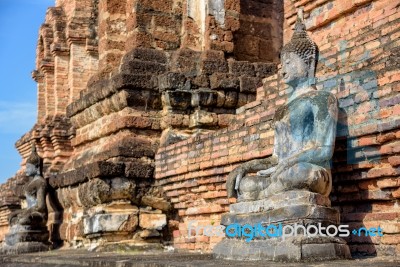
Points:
point(304, 132)
point(303, 123)
point(304, 137)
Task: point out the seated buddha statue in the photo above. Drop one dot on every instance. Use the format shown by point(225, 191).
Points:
point(35, 215)
point(304, 132)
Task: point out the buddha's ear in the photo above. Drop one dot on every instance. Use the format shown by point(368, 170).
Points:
point(312, 66)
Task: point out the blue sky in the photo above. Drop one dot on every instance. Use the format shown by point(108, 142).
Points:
point(19, 25)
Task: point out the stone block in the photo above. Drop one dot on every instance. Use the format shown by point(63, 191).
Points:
point(231, 99)
point(292, 249)
point(96, 85)
point(264, 70)
point(98, 191)
point(224, 81)
point(145, 54)
point(142, 67)
point(152, 221)
point(139, 169)
point(16, 235)
point(148, 99)
point(133, 81)
point(285, 199)
point(24, 247)
point(178, 99)
point(171, 80)
point(200, 81)
point(185, 61)
point(206, 98)
point(285, 214)
point(212, 55)
point(89, 171)
point(201, 118)
point(249, 84)
point(103, 223)
point(241, 68)
point(156, 203)
point(213, 66)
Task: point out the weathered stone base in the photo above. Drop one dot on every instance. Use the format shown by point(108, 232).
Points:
point(284, 199)
point(301, 214)
point(297, 207)
point(291, 249)
point(24, 247)
point(26, 236)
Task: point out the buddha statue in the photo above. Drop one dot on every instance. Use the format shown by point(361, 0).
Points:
point(304, 132)
point(290, 188)
point(28, 230)
point(35, 193)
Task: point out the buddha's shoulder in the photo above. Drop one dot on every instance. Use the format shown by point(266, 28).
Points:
point(317, 97)
point(315, 94)
point(321, 99)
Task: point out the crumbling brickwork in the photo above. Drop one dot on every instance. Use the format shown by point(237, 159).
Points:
point(358, 43)
point(144, 107)
point(116, 80)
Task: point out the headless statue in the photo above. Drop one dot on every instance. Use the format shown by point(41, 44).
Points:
point(304, 132)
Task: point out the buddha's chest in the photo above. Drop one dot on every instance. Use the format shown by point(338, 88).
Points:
point(295, 129)
point(296, 121)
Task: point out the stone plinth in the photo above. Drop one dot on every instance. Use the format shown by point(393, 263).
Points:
point(291, 249)
point(301, 208)
point(25, 239)
point(24, 247)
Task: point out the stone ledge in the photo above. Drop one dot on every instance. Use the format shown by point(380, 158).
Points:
point(292, 249)
point(155, 257)
point(83, 174)
point(281, 200)
point(115, 84)
point(294, 213)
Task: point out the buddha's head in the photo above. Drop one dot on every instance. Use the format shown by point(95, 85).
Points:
point(299, 56)
point(33, 163)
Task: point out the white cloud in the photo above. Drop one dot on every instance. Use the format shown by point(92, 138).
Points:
point(17, 117)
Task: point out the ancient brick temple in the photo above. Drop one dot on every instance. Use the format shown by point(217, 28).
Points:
point(145, 106)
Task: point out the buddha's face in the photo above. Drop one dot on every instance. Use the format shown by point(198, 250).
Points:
point(294, 69)
point(31, 169)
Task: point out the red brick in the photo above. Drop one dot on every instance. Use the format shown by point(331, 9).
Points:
point(391, 239)
point(383, 138)
point(380, 172)
point(394, 160)
point(176, 233)
point(389, 182)
point(368, 185)
point(396, 193)
point(381, 216)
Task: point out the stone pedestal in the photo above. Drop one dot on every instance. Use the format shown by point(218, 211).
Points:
point(301, 208)
point(114, 222)
point(24, 247)
point(291, 249)
point(25, 239)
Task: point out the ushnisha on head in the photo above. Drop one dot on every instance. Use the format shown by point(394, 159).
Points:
point(299, 56)
point(33, 163)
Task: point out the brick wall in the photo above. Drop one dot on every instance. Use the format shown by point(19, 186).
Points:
point(259, 37)
point(244, 29)
point(358, 42)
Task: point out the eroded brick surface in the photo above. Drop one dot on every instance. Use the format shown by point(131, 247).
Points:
point(144, 107)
